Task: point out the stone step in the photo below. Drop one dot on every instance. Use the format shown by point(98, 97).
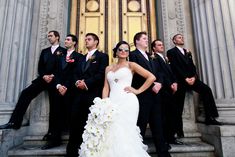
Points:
point(189, 136)
point(37, 139)
point(190, 149)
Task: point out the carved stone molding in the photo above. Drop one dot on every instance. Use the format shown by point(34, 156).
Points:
point(173, 20)
point(165, 23)
point(52, 16)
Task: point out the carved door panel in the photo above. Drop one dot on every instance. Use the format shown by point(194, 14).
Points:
point(112, 21)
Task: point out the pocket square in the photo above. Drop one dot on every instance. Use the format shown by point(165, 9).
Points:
point(94, 62)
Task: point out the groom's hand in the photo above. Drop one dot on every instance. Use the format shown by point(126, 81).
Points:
point(48, 78)
point(81, 85)
point(62, 90)
point(156, 88)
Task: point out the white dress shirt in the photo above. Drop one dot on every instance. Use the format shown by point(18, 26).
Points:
point(69, 52)
point(53, 48)
point(181, 50)
point(90, 53)
point(161, 55)
point(144, 54)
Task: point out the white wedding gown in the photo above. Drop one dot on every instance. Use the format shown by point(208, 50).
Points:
point(115, 119)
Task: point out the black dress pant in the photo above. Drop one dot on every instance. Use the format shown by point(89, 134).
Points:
point(26, 96)
point(168, 114)
point(150, 112)
point(205, 94)
point(79, 115)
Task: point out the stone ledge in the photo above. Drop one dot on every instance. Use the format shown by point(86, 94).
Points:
point(197, 148)
point(223, 130)
point(222, 137)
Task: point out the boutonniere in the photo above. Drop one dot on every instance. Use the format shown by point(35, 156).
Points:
point(91, 58)
point(189, 54)
point(69, 60)
point(153, 57)
point(58, 53)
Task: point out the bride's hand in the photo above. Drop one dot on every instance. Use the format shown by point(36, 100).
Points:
point(131, 90)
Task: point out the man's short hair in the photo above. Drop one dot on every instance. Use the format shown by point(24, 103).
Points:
point(56, 33)
point(173, 38)
point(138, 36)
point(74, 38)
point(153, 43)
point(94, 36)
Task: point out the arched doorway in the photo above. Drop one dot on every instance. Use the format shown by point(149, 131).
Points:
point(112, 20)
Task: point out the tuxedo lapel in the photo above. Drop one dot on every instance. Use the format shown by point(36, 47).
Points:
point(183, 57)
point(83, 64)
point(88, 62)
point(86, 65)
point(164, 63)
point(63, 62)
point(48, 55)
point(144, 60)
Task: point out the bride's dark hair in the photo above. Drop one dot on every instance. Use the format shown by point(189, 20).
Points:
point(115, 49)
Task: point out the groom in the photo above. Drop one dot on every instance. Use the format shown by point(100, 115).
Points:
point(88, 84)
point(149, 101)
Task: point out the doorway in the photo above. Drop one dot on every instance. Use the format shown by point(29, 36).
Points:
point(112, 21)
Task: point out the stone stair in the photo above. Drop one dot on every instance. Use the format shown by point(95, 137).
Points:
point(193, 147)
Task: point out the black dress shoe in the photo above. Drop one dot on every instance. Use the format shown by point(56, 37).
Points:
point(9, 126)
point(168, 146)
point(180, 134)
point(50, 144)
point(176, 142)
point(47, 137)
point(212, 122)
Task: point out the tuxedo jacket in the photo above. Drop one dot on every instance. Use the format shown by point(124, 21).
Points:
point(137, 57)
point(182, 65)
point(93, 73)
point(66, 67)
point(47, 63)
point(165, 70)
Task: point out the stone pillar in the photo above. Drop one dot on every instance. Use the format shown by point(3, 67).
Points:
point(214, 31)
point(214, 28)
point(15, 32)
point(23, 34)
point(49, 15)
point(172, 19)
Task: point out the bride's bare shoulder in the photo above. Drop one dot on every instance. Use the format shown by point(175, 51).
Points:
point(132, 64)
point(110, 67)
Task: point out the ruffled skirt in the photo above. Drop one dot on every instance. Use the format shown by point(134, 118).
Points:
point(111, 129)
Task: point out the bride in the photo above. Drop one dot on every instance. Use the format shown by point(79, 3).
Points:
point(111, 129)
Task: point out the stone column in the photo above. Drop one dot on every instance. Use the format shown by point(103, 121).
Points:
point(214, 31)
point(15, 32)
point(23, 34)
point(49, 15)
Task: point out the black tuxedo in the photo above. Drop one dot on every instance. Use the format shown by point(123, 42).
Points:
point(63, 76)
point(93, 73)
point(150, 104)
point(182, 65)
point(46, 66)
point(168, 103)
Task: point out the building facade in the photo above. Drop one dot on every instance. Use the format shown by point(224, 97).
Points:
point(207, 25)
